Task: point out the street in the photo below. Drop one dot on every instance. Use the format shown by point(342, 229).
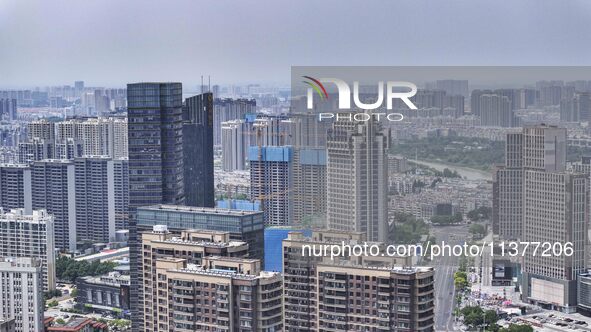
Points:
point(444, 275)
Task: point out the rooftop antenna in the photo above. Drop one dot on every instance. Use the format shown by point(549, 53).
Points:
point(208, 83)
point(201, 83)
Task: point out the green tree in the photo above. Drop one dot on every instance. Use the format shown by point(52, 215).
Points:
point(517, 328)
point(477, 229)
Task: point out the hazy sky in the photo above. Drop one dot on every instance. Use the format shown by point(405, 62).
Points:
point(112, 42)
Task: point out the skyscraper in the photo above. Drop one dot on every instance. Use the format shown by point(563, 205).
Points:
point(53, 189)
point(29, 235)
point(121, 187)
point(271, 182)
point(95, 199)
point(496, 110)
point(198, 150)
point(234, 145)
point(229, 109)
point(21, 293)
point(357, 178)
point(555, 209)
point(309, 184)
point(155, 128)
point(7, 109)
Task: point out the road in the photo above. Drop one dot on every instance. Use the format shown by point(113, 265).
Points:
point(444, 270)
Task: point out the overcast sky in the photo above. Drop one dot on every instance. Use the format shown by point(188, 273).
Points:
point(112, 42)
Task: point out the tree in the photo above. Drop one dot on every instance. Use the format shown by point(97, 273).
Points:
point(475, 317)
point(68, 269)
point(517, 328)
point(477, 229)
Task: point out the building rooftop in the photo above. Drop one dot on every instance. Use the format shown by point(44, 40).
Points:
point(199, 210)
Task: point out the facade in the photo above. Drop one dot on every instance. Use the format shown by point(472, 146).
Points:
point(190, 246)
point(95, 199)
point(555, 209)
point(309, 185)
point(226, 295)
point(321, 294)
point(121, 187)
point(357, 179)
point(106, 293)
point(234, 143)
point(242, 225)
point(496, 111)
point(29, 235)
point(508, 214)
point(198, 150)
point(271, 182)
point(155, 128)
point(7, 324)
point(21, 292)
point(15, 187)
point(53, 189)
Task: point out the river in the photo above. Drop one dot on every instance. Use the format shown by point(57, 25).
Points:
point(465, 172)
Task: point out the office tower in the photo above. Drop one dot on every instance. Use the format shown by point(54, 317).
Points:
point(228, 295)
point(155, 128)
point(95, 199)
point(41, 129)
point(234, 145)
point(121, 188)
point(496, 111)
point(229, 109)
point(271, 182)
point(53, 189)
point(198, 150)
point(15, 187)
point(315, 285)
point(357, 178)
point(538, 200)
point(242, 225)
point(21, 292)
point(508, 210)
point(8, 109)
point(309, 185)
point(25, 234)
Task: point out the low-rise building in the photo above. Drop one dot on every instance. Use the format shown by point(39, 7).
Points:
point(106, 293)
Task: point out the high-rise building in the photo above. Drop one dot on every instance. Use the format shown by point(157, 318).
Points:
point(35, 149)
point(21, 293)
point(41, 129)
point(309, 185)
point(453, 87)
point(496, 110)
point(8, 109)
point(53, 189)
point(234, 145)
point(555, 209)
point(271, 182)
point(229, 109)
point(229, 294)
point(242, 225)
point(29, 235)
point(315, 286)
point(7, 324)
point(189, 247)
point(95, 199)
point(357, 178)
point(15, 187)
point(121, 187)
point(155, 128)
point(198, 150)
point(508, 195)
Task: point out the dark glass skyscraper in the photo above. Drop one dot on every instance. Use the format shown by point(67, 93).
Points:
point(155, 129)
point(198, 150)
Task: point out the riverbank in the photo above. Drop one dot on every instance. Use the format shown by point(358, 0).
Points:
point(465, 172)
